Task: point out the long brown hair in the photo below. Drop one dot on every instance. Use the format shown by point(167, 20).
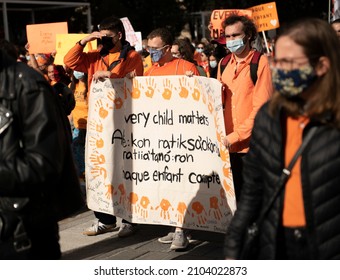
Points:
point(318, 39)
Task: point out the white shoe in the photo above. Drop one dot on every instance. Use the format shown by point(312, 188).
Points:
point(98, 228)
point(126, 230)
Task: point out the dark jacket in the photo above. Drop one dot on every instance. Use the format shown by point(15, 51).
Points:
point(35, 154)
point(320, 175)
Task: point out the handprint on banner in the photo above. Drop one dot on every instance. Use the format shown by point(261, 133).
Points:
point(167, 89)
point(98, 171)
point(97, 158)
point(99, 107)
point(214, 209)
point(197, 91)
point(144, 203)
point(230, 191)
point(181, 211)
point(151, 87)
point(136, 89)
point(110, 191)
point(97, 142)
point(117, 101)
point(224, 152)
point(200, 212)
point(133, 198)
point(97, 126)
point(122, 196)
point(224, 201)
point(165, 205)
point(184, 93)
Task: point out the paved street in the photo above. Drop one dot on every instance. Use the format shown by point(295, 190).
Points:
point(143, 245)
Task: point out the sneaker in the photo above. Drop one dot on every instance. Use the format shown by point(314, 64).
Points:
point(167, 239)
point(126, 230)
point(98, 228)
point(180, 241)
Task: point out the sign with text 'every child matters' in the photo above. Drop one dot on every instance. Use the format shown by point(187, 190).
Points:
point(154, 153)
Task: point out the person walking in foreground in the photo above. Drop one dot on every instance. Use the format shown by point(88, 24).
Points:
point(245, 75)
point(303, 222)
point(38, 180)
point(164, 63)
point(116, 59)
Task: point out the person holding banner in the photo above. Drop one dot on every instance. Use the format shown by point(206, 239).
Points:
point(116, 59)
point(241, 97)
point(302, 222)
point(164, 63)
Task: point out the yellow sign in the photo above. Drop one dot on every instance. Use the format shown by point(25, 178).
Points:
point(217, 18)
point(42, 37)
point(64, 42)
point(265, 16)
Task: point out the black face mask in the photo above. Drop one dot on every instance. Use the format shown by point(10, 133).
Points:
point(107, 43)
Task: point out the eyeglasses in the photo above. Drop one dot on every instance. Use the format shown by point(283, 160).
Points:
point(150, 49)
point(288, 63)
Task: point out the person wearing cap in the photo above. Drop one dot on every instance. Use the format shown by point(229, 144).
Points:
point(241, 98)
point(115, 59)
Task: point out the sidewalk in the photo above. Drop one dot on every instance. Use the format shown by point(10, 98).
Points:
point(143, 245)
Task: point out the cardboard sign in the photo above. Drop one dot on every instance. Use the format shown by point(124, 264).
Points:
point(154, 153)
point(265, 16)
point(129, 32)
point(64, 42)
point(42, 37)
point(217, 18)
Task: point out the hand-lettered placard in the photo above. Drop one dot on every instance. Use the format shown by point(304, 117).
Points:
point(154, 153)
point(265, 16)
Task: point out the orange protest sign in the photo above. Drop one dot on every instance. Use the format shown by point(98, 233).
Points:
point(218, 16)
point(265, 16)
point(42, 37)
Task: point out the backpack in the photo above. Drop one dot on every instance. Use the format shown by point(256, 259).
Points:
point(254, 64)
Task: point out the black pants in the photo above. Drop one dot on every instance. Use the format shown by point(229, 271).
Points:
point(108, 219)
point(236, 163)
point(293, 244)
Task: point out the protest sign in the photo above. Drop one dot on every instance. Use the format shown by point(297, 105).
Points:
point(154, 153)
point(265, 16)
point(42, 37)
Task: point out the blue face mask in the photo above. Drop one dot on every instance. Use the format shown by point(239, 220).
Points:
point(156, 55)
point(78, 75)
point(291, 83)
point(236, 46)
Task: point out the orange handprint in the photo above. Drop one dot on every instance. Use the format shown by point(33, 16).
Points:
point(164, 205)
point(144, 202)
point(97, 158)
point(181, 209)
point(135, 92)
point(99, 107)
point(184, 91)
point(97, 171)
point(197, 91)
point(151, 87)
point(224, 201)
point(167, 89)
point(93, 125)
point(122, 197)
point(230, 191)
point(214, 208)
point(200, 212)
point(133, 198)
point(110, 191)
point(118, 101)
point(97, 142)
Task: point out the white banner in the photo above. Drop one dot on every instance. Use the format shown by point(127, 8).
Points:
point(154, 152)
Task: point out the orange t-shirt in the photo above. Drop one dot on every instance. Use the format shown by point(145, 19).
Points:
point(293, 207)
point(176, 66)
point(80, 111)
point(242, 99)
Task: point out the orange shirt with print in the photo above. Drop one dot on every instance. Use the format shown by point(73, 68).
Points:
point(293, 207)
point(242, 99)
point(92, 62)
point(177, 66)
point(80, 111)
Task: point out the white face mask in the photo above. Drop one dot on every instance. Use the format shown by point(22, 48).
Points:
point(213, 63)
point(236, 46)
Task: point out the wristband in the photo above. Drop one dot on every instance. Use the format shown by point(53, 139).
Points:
point(79, 42)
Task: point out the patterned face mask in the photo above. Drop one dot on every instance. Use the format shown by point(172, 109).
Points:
point(291, 83)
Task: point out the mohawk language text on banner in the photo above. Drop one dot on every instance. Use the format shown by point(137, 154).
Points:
point(154, 153)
